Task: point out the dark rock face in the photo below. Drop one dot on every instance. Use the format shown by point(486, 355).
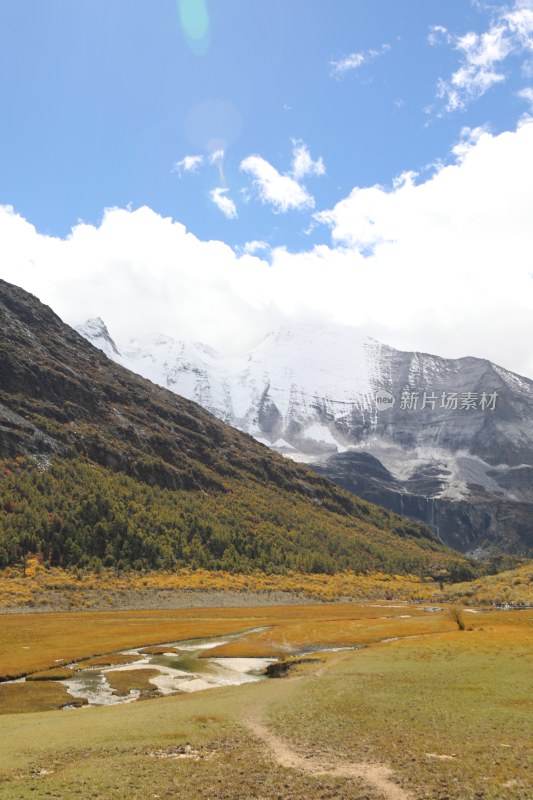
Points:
point(503, 435)
point(480, 523)
point(58, 394)
point(269, 418)
point(18, 436)
point(454, 449)
point(466, 472)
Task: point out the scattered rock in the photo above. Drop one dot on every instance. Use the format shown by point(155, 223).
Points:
point(279, 669)
point(181, 751)
point(442, 756)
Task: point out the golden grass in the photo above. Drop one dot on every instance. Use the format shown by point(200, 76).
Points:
point(355, 626)
point(123, 681)
point(35, 642)
point(513, 586)
point(409, 703)
point(70, 637)
point(18, 698)
point(59, 674)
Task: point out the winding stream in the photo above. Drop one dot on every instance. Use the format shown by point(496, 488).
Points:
point(187, 670)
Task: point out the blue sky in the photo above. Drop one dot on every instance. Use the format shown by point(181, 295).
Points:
point(252, 121)
point(100, 99)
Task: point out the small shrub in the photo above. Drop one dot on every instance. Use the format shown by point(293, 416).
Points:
point(456, 615)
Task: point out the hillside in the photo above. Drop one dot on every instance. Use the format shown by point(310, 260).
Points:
point(101, 466)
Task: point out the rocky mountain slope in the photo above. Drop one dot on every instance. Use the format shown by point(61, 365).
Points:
point(450, 442)
point(99, 466)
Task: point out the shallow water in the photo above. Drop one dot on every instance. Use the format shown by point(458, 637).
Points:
point(184, 671)
point(187, 670)
point(92, 685)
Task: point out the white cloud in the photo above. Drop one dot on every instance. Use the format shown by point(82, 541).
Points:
point(469, 138)
point(484, 50)
point(355, 60)
point(440, 266)
point(303, 164)
point(437, 34)
point(450, 254)
point(216, 156)
point(188, 164)
point(483, 54)
point(255, 246)
point(280, 191)
point(527, 95)
point(520, 22)
point(407, 177)
point(285, 191)
point(225, 204)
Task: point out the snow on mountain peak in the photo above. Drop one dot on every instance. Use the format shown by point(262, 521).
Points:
point(95, 330)
point(309, 391)
point(302, 374)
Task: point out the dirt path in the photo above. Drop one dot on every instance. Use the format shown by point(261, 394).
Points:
point(377, 776)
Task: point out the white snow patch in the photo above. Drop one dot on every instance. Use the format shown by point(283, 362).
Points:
point(320, 433)
point(282, 443)
point(261, 440)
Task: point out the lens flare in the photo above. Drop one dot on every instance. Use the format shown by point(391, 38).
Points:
point(213, 125)
point(194, 18)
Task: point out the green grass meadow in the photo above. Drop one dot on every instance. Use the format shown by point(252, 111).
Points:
point(448, 712)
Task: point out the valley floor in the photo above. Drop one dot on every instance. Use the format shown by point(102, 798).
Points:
point(422, 711)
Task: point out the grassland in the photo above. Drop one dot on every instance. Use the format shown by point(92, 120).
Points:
point(18, 698)
point(33, 643)
point(58, 674)
point(442, 716)
point(122, 682)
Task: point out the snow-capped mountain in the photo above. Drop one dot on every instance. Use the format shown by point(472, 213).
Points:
point(95, 331)
point(446, 441)
point(289, 388)
point(191, 369)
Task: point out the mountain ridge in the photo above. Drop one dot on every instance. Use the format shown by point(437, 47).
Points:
point(99, 463)
point(310, 394)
